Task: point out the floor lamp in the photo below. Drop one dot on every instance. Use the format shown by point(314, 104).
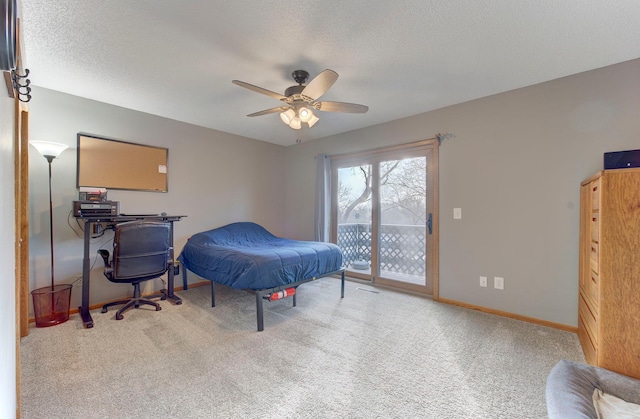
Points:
point(51, 304)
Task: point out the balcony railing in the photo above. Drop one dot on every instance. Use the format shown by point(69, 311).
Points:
point(402, 247)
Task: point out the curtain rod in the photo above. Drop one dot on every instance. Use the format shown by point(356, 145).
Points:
point(439, 137)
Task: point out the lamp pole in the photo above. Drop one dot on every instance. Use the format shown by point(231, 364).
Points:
point(50, 151)
point(49, 160)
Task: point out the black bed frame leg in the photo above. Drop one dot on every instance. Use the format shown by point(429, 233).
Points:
point(184, 279)
point(342, 288)
point(213, 294)
point(259, 311)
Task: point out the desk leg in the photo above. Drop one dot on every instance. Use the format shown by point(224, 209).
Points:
point(170, 293)
point(86, 276)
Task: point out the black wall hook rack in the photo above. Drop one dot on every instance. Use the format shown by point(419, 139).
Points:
point(21, 84)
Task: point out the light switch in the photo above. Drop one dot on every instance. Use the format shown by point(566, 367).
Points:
point(457, 213)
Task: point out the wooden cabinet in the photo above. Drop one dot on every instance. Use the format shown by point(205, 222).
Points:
point(609, 285)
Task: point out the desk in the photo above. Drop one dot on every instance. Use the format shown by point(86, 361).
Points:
point(89, 221)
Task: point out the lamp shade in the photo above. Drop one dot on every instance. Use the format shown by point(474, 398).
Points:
point(288, 116)
point(295, 123)
point(312, 121)
point(49, 149)
point(305, 114)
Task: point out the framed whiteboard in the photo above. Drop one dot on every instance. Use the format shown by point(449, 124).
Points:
point(115, 164)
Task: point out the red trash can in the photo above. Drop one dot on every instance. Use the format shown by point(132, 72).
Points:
point(51, 304)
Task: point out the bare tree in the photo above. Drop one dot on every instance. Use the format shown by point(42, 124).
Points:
point(364, 196)
point(344, 191)
point(407, 189)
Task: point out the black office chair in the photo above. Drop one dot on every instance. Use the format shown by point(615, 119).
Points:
point(141, 251)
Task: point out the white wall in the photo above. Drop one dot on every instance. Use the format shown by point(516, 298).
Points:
point(8, 401)
point(214, 178)
point(514, 166)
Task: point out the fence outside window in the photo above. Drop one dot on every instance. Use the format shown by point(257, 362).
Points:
point(402, 247)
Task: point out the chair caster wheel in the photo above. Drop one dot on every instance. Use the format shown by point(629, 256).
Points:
point(164, 297)
point(119, 317)
point(104, 309)
point(158, 308)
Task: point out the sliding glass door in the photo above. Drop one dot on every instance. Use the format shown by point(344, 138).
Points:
point(384, 216)
point(402, 229)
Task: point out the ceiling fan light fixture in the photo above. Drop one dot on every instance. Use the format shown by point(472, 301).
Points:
point(295, 123)
point(312, 121)
point(288, 116)
point(305, 114)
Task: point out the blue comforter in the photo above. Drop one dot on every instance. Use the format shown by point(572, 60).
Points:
point(246, 256)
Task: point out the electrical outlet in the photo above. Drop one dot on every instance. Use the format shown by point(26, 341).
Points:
point(498, 282)
point(483, 281)
point(457, 213)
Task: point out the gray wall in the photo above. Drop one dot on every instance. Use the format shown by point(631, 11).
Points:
point(514, 166)
point(214, 178)
point(8, 402)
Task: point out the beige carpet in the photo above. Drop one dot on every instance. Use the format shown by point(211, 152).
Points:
point(386, 354)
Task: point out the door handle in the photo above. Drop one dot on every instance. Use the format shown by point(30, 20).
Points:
point(430, 223)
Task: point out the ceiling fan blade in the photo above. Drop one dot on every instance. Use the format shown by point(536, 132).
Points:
point(320, 84)
point(268, 111)
point(259, 89)
point(341, 107)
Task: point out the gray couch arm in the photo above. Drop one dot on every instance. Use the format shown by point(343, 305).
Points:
point(570, 387)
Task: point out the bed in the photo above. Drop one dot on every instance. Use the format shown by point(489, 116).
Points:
point(246, 256)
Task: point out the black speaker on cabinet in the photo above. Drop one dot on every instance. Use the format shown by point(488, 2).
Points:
point(622, 159)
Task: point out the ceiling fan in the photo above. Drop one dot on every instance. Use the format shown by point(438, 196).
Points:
point(300, 100)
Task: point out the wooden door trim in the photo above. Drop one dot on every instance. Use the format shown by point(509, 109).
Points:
point(436, 220)
point(21, 233)
point(23, 227)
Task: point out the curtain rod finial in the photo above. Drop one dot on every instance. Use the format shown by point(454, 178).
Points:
point(442, 137)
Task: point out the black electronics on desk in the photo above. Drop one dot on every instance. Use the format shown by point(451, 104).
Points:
point(95, 208)
point(93, 195)
point(622, 159)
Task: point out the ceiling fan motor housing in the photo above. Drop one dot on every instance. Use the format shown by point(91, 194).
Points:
point(300, 76)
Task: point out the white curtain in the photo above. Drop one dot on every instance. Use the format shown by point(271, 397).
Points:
point(323, 197)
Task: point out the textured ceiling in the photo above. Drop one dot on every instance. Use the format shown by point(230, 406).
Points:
point(177, 58)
